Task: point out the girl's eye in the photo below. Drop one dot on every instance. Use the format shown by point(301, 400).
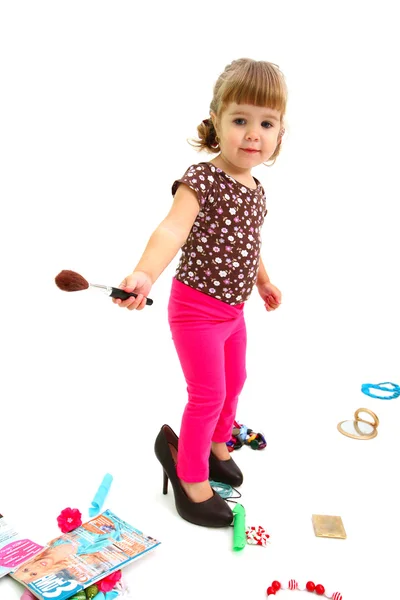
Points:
point(264, 124)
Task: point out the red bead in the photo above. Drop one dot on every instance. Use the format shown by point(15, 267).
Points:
point(270, 591)
point(276, 585)
point(319, 589)
point(310, 586)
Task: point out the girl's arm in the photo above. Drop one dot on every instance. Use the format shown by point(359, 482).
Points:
point(269, 293)
point(262, 275)
point(171, 233)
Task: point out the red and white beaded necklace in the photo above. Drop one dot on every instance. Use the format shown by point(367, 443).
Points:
point(309, 587)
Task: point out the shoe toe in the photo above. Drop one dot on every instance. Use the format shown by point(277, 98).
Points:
point(214, 512)
point(236, 478)
point(225, 471)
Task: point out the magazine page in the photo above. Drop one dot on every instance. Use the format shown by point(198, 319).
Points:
point(82, 557)
point(14, 549)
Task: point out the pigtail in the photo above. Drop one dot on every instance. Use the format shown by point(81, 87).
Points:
point(207, 138)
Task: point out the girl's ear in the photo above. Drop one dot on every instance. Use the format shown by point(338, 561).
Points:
point(214, 119)
point(280, 136)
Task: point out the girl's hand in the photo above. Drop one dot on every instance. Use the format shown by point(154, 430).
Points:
point(271, 295)
point(138, 282)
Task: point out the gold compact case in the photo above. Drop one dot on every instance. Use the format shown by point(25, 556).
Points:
point(328, 526)
point(360, 429)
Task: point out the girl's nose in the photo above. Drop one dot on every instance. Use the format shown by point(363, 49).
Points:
point(252, 135)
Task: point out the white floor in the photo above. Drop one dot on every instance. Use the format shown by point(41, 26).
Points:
point(69, 425)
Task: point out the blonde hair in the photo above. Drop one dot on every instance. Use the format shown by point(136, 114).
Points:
point(244, 81)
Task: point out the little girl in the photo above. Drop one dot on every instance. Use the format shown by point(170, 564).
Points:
point(216, 219)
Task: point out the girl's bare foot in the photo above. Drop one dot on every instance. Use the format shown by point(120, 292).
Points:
point(220, 450)
point(199, 491)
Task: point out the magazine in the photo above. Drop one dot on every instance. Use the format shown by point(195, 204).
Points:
point(75, 560)
point(14, 549)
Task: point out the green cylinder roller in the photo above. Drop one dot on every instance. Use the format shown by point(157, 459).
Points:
point(79, 596)
point(91, 591)
point(239, 528)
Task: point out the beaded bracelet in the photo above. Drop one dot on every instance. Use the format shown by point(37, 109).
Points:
point(392, 388)
point(309, 587)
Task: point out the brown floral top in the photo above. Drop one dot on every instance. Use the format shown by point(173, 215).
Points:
point(222, 252)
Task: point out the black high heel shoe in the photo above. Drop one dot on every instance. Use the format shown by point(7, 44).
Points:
point(211, 513)
point(225, 471)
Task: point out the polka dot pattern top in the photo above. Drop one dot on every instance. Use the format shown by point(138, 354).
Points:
point(221, 255)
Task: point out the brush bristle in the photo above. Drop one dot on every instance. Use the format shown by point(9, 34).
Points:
point(69, 281)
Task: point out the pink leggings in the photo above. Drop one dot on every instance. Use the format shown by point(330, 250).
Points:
point(210, 339)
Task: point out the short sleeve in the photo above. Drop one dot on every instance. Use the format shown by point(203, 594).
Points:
point(200, 179)
point(264, 200)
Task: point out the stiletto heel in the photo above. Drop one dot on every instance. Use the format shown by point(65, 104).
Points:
point(165, 483)
point(213, 512)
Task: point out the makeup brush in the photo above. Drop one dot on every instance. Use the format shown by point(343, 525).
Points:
point(69, 281)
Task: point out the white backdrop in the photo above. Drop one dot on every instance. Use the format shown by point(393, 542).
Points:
point(97, 101)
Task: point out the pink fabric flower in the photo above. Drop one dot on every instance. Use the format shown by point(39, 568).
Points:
point(69, 519)
point(27, 595)
point(108, 583)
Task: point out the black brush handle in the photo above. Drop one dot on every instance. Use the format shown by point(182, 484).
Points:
point(122, 295)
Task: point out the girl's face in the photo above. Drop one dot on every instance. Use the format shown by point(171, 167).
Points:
point(35, 569)
point(45, 563)
point(248, 134)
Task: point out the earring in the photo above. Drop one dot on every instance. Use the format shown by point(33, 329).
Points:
point(216, 145)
